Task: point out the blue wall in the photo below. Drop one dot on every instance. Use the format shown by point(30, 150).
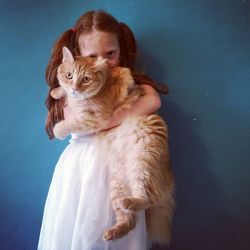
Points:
point(201, 49)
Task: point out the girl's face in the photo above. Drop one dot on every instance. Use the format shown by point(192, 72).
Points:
point(100, 44)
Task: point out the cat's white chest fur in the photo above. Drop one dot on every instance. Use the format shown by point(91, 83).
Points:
point(77, 104)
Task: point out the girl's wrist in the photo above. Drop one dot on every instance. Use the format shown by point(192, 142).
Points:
point(115, 120)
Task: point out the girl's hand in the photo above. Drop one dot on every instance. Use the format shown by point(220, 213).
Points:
point(147, 104)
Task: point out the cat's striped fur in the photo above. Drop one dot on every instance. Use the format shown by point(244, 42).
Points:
point(136, 151)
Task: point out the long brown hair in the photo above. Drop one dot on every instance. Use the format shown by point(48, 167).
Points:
point(92, 20)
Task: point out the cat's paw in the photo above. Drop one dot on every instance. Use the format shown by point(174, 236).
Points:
point(58, 133)
point(116, 232)
point(111, 234)
point(53, 93)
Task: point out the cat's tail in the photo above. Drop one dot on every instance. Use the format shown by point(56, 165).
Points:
point(159, 218)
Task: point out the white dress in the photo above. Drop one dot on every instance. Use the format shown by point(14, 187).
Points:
point(78, 208)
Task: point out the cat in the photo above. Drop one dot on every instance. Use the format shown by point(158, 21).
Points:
point(93, 90)
point(137, 150)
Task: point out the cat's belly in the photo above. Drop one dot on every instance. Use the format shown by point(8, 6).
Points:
point(124, 140)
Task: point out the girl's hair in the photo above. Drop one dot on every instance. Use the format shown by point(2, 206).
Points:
point(92, 20)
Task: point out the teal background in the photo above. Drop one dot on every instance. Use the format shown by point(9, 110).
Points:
point(201, 49)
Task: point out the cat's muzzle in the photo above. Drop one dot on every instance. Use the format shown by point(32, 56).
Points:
point(75, 93)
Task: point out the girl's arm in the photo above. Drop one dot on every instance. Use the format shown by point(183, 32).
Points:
point(147, 104)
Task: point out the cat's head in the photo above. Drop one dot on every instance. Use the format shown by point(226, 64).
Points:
point(81, 77)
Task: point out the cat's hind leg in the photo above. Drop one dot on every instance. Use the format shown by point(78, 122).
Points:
point(135, 204)
point(125, 220)
point(143, 193)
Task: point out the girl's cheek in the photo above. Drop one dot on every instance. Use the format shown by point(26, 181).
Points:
point(113, 62)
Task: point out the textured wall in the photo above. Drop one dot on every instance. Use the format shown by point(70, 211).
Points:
point(201, 49)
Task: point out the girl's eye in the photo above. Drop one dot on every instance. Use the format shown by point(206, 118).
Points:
point(69, 75)
point(85, 79)
point(109, 54)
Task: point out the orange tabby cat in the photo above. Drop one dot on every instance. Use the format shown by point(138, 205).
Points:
point(136, 151)
point(94, 93)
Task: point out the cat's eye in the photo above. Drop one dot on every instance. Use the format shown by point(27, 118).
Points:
point(69, 75)
point(85, 79)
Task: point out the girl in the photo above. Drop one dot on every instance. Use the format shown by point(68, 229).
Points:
point(78, 209)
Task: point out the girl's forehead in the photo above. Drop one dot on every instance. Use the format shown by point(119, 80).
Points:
point(97, 39)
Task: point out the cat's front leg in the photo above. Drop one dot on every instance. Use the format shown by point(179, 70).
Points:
point(60, 131)
point(90, 127)
point(65, 127)
point(57, 93)
point(92, 121)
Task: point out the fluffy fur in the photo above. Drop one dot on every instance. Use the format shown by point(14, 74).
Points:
point(136, 151)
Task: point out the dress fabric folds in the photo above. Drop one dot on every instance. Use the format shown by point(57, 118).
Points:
point(78, 208)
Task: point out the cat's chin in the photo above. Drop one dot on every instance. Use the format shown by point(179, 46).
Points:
point(78, 94)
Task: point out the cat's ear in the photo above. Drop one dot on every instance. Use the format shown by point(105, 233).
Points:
point(100, 64)
point(67, 55)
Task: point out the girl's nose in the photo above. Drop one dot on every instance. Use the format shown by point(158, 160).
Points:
point(101, 57)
